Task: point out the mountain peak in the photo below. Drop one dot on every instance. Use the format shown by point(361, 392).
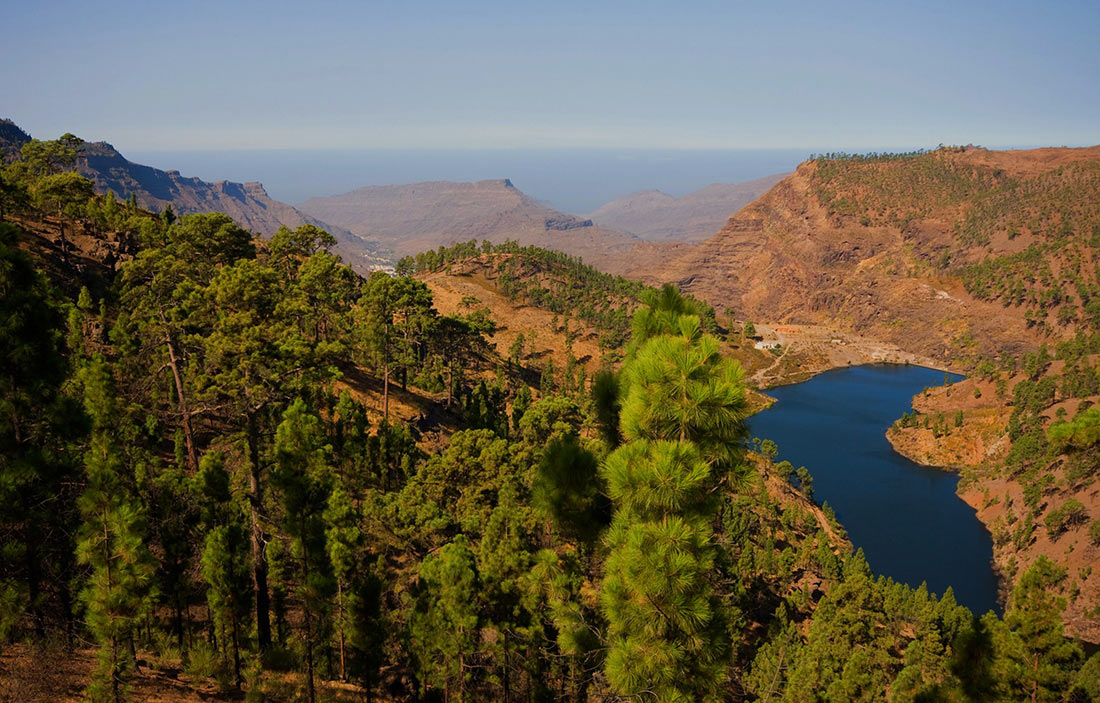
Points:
point(415, 217)
point(657, 216)
point(12, 139)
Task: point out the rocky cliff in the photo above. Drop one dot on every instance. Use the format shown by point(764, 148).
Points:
point(408, 219)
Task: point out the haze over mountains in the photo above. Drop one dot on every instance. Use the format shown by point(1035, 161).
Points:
point(376, 225)
point(247, 203)
point(408, 219)
point(658, 216)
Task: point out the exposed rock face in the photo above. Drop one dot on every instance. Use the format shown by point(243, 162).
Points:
point(659, 217)
point(11, 139)
point(408, 219)
point(247, 203)
point(789, 257)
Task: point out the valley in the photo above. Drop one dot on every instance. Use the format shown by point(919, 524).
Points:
point(478, 359)
point(549, 352)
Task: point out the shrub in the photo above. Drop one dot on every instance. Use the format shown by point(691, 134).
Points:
point(1059, 520)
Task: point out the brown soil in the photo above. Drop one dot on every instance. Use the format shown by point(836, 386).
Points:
point(34, 674)
point(786, 258)
point(978, 449)
point(473, 278)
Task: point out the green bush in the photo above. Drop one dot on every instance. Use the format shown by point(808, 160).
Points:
point(1059, 520)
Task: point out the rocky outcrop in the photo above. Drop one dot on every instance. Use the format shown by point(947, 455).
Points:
point(792, 257)
point(154, 189)
point(11, 139)
point(408, 219)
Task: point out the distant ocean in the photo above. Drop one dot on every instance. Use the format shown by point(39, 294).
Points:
point(574, 180)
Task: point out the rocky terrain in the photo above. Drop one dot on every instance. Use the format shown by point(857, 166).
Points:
point(960, 258)
point(247, 203)
point(408, 219)
point(875, 248)
point(660, 217)
point(967, 431)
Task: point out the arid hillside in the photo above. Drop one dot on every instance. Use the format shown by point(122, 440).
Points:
point(408, 219)
point(658, 217)
point(951, 253)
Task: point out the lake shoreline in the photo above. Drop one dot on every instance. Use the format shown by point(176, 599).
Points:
point(884, 502)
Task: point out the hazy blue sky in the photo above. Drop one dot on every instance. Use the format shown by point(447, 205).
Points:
point(232, 74)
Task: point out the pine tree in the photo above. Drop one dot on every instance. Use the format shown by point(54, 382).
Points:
point(664, 635)
point(679, 387)
point(111, 541)
point(567, 490)
point(225, 556)
point(303, 479)
point(681, 417)
point(40, 426)
point(444, 628)
point(1043, 658)
point(344, 543)
point(225, 568)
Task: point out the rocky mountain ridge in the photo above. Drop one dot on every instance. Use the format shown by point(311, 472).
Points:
point(248, 204)
point(411, 218)
point(896, 249)
point(656, 216)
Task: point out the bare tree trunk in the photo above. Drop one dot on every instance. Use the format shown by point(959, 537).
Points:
point(259, 558)
point(308, 622)
point(185, 414)
point(386, 393)
point(236, 652)
point(340, 620)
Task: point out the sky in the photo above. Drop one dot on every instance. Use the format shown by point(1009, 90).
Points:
point(197, 75)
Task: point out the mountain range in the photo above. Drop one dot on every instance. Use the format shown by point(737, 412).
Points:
point(951, 252)
point(656, 216)
point(375, 225)
point(408, 219)
point(154, 189)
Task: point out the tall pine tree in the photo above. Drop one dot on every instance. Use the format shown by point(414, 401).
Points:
point(111, 541)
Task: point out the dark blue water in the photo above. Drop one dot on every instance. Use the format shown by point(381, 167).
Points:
point(906, 517)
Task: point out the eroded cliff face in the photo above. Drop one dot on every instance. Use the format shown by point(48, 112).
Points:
point(887, 249)
point(247, 203)
point(412, 218)
point(977, 449)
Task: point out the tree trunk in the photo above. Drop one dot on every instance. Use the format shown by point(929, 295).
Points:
point(450, 382)
point(64, 242)
point(461, 677)
point(308, 622)
point(34, 578)
point(259, 558)
point(1035, 683)
point(67, 607)
point(386, 393)
point(185, 414)
point(340, 620)
point(179, 619)
point(236, 651)
point(114, 640)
